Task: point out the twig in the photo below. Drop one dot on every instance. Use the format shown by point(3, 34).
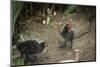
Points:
point(82, 35)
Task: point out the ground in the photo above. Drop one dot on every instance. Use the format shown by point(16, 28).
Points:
point(51, 34)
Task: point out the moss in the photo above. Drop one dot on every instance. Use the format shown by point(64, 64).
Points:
point(19, 61)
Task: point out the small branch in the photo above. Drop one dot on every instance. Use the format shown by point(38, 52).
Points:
point(82, 34)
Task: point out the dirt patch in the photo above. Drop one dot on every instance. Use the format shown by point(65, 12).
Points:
point(51, 34)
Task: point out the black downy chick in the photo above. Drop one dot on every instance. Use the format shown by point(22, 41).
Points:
point(68, 35)
point(29, 49)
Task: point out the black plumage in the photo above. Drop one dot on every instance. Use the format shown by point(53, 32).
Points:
point(29, 49)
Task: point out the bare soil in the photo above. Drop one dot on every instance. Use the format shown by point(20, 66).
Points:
point(51, 34)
